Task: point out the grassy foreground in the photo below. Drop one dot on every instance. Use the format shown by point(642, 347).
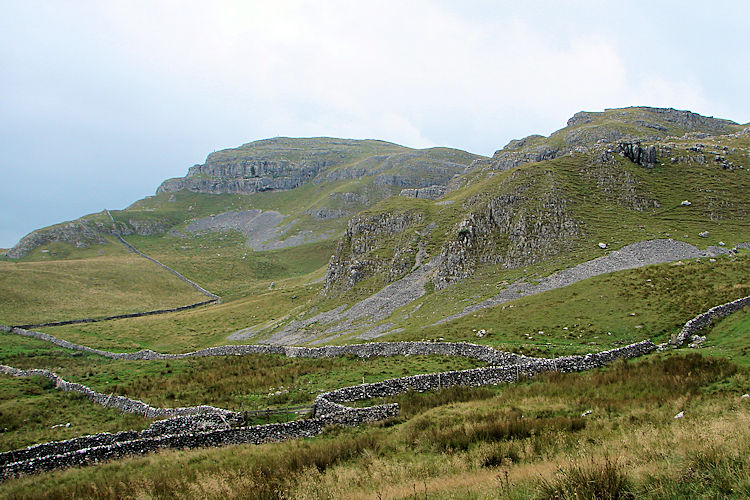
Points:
point(30, 408)
point(527, 440)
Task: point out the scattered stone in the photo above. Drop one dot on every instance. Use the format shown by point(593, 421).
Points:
point(272, 285)
point(481, 333)
point(721, 244)
point(697, 340)
point(686, 203)
point(679, 415)
point(587, 412)
point(745, 396)
point(712, 260)
point(704, 234)
point(602, 245)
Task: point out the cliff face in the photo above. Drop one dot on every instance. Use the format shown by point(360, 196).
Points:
point(285, 163)
point(378, 244)
point(525, 224)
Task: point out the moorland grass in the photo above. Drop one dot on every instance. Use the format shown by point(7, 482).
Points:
point(232, 382)
point(504, 445)
point(33, 411)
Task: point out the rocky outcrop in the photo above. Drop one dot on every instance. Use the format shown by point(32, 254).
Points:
point(231, 186)
point(84, 233)
point(521, 227)
point(327, 213)
point(75, 233)
point(287, 163)
point(627, 125)
point(430, 192)
point(633, 151)
point(354, 259)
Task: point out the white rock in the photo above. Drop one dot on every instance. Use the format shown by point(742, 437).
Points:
point(602, 245)
point(587, 412)
point(680, 415)
point(745, 396)
point(686, 203)
point(721, 244)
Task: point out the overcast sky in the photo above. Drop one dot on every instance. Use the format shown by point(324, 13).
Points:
point(102, 100)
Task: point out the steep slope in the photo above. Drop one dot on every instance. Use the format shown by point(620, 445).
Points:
point(503, 224)
point(331, 180)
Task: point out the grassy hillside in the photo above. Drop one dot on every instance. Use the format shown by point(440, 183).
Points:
point(497, 225)
point(43, 291)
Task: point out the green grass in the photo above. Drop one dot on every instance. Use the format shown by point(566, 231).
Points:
point(221, 263)
point(595, 314)
point(233, 382)
point(730, 338)
point(29, 408)
point(34, 292)
point(478, 445)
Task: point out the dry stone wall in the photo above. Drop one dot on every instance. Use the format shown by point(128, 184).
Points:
point(120, 316)
point(492, 375)
point(328, 410)
point(704, 319)
point(197, 426)
point(122, 403)
point(479, 352)
point(92, 449)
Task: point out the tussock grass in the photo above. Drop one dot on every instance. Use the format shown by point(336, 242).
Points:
point(30, 406)
point(604, 480)
point(480, 447)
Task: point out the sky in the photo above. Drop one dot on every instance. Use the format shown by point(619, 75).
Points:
point(100, 101)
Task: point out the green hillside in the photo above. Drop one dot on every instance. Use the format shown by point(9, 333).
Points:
point(333, 241)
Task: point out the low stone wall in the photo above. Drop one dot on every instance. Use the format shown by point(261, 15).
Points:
point(93, 449)
point(181, 432)
point(119, 316)
point(704, 319)
point(330, 402)
point(479, 352)
point(122, 403)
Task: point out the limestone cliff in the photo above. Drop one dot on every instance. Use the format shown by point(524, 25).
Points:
point(287, 163)
point(527, 223)
point(383, 244)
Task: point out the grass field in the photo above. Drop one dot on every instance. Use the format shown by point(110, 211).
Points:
point(36, 292)
point(526, 440)
point(232, 382)
point(623, 307)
